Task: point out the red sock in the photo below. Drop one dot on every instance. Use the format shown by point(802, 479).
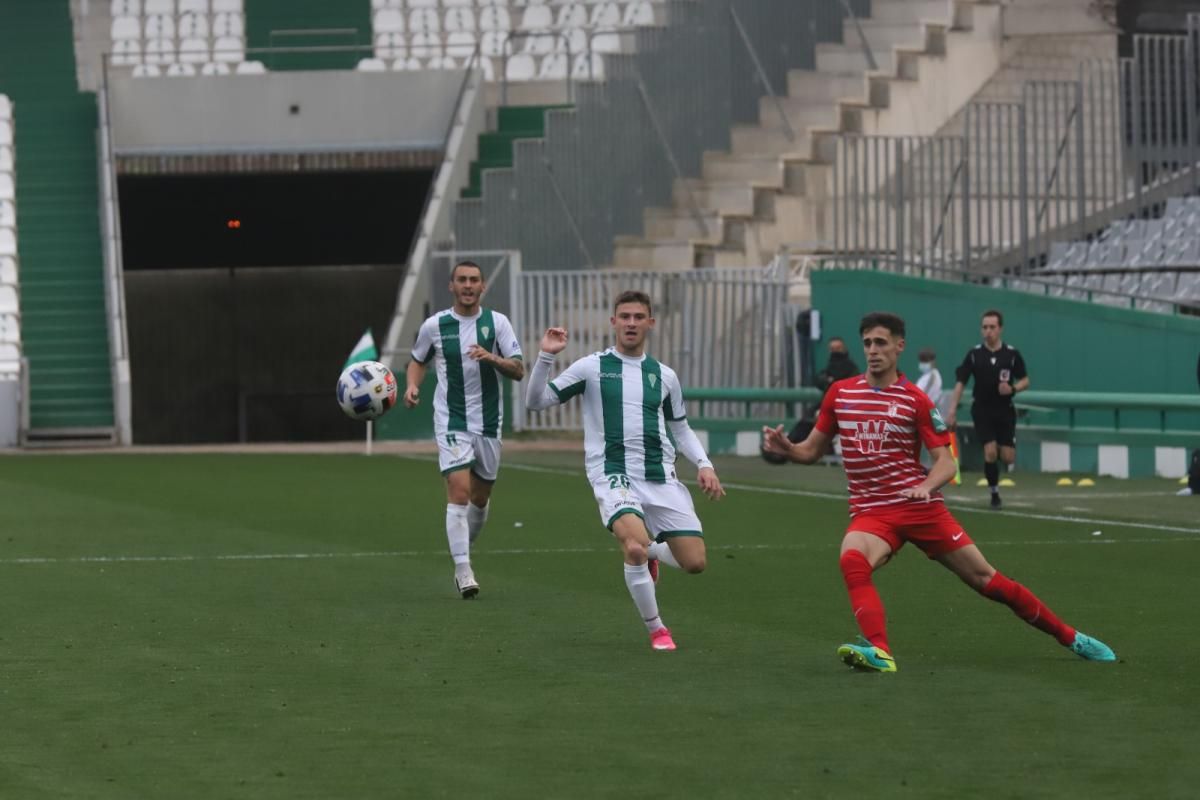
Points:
point(1026, 605)
point(864, 600)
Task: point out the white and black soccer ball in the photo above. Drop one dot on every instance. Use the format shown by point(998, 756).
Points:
point(366, 390)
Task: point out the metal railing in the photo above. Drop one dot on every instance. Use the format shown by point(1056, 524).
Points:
point(719, 327)
point(1062, 162)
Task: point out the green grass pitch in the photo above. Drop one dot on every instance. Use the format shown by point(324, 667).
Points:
point(285, 626)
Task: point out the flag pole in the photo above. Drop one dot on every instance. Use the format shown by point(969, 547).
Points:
point(370, 432)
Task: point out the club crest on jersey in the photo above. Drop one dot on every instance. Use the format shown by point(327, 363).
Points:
point(653, 379)
point(485, 330)
point(893, 409)
point(871, 435)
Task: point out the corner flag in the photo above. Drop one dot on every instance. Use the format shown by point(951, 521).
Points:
point(364, 350)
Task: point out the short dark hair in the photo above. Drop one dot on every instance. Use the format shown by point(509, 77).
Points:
point(991, 312)
point(927, 355)
point(633, 296)
point(466, 263)
point(882, 319)
point(833, 339)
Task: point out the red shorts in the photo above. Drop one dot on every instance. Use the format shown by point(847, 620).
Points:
point(930, 526)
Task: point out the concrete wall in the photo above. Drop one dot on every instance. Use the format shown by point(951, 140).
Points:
point(283, 112)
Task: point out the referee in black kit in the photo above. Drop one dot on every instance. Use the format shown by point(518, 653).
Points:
point(999, 373)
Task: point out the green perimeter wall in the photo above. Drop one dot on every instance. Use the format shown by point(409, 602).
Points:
point(1067, 345)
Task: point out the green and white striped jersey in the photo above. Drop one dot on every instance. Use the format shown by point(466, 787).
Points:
point(468, 394)
point(626, 403)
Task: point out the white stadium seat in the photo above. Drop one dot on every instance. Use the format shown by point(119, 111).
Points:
point(160, 51)
point(8, 242)
point(639, 13)
point(460, 45)
point(126, 8)
point(575, 39)
point(8, 300)
point(251, 68)
point(606, 15)
point(193, 6)
point(125, 28)
point(537, 18)
point(422, 3)
point(425, 45)
point(494, 19)
point(424, 19)
point(459, 19)
point(378, 4)
point(7, 191)
point(193, 51)
point(6, 159)
point(159, 26)
point(10, 324)
point(541, 45)
point(520, 67)
point(146, 71)
point(391, 45)
point(492, 43)
point(389, 20)
point(181, 70)
point(126, 52)
point(8, 214)
point(229, 48)
point(573, 15)
point(458, 3)
point(214, 68)
point(409, 64)
point(606, 42)
point(5, 107)
point(371, 65)
point(228, 24)
point(442, 62)
point(8, 271)
point(160, 7)
point(6, 135)
point(193, 26)
point(227, 5)
point(553, 67)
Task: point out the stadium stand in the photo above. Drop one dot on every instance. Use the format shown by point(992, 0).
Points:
point(518, 41)
point(165, 38)
point(55, 204)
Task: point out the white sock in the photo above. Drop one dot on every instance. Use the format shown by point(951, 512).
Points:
point(476, 516)
point(457, 534)
point(641, 588)
point(662, 552)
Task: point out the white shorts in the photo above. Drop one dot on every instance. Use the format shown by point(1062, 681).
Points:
point(461, 450)
point(666, 508)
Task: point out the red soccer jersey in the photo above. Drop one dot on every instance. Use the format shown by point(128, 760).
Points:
point(879, 430)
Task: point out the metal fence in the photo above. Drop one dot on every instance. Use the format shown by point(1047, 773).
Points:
point(1061, 163)
point(715, 328)
point(632, 140)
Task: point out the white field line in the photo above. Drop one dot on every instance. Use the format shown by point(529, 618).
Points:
point(830, 545)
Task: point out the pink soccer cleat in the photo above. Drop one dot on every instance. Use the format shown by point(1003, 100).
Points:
point(661, 640)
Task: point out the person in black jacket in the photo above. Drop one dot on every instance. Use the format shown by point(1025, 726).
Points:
point(839, 367)
point(1193, 487)
point(999, 373)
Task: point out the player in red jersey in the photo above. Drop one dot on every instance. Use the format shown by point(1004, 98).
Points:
point(882, 421)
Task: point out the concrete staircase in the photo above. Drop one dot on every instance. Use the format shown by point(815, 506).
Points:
point(774, 189)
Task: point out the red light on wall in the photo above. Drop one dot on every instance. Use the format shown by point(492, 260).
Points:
point(233, 224)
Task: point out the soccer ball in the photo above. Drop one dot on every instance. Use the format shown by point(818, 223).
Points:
point(366, 390)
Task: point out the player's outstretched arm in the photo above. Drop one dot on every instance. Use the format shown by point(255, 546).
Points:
point(809, 451)
point(538, 394)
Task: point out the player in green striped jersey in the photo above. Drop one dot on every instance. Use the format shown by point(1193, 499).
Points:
point(629, 403)
point(472, 346)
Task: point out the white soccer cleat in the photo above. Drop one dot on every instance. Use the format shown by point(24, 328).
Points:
point(466, 584)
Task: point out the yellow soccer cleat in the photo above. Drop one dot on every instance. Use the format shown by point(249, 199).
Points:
point(867, 657)
point(1085, 482)
point(1064, 482)
point(1007, 483)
